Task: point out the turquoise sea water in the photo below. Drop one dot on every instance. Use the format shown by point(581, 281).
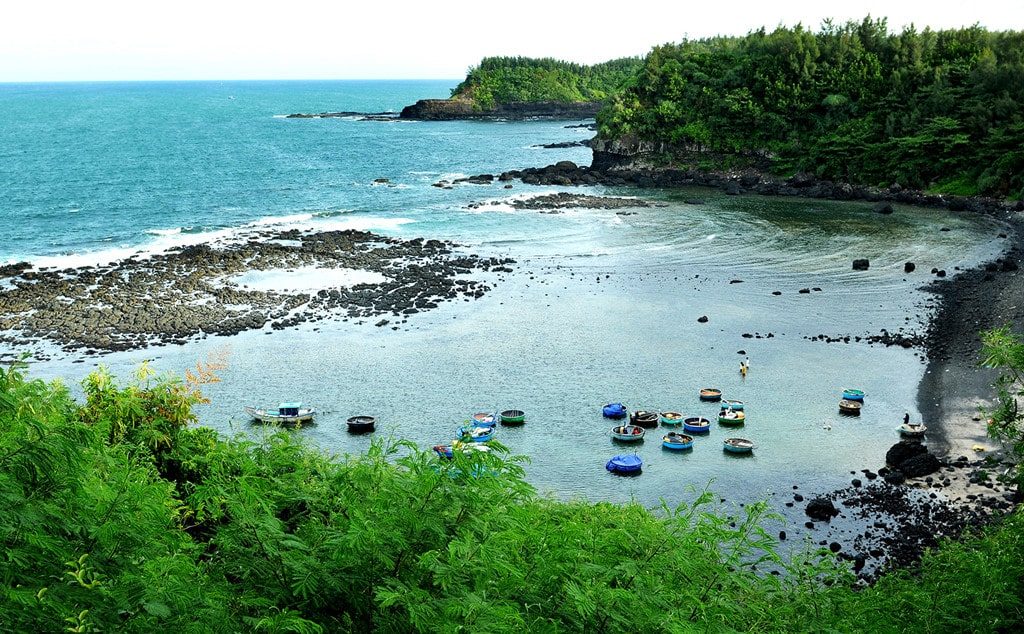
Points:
point(601, 306)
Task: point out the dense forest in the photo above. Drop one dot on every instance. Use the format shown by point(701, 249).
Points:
point(935, 110)
point(117, 514)
point(501, 80)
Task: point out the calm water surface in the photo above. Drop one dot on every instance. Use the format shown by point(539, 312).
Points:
point(600, 307)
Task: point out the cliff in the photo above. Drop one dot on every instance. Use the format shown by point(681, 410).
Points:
point(453, 109)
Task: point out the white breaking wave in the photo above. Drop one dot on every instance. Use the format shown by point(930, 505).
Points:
point(165, 232)
point(163, 240)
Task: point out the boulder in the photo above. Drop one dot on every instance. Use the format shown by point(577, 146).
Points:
point(902, 451)
point(861, 264)
point(920, 465)
point(884, 208)
point(909, 267)
point(821, 509)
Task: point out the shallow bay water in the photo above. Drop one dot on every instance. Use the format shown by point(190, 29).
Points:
point(600, 306)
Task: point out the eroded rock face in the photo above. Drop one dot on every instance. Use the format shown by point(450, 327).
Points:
point(187, 292)
point(455, 109)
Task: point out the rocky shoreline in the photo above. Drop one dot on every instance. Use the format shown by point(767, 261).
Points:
point(802, 185)
point(921, 495)
point(463, 109)
point(187, 293)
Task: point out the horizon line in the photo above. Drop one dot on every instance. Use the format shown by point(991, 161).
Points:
point(5, 82)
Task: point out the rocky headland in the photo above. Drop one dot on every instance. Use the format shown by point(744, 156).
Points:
point(460, 109)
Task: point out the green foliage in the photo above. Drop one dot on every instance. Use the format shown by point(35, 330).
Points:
point(500, 80)
point(116, 515)
point(851, 102)
point(1003, 349)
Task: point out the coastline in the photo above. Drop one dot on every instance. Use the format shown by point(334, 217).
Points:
point(954, 386)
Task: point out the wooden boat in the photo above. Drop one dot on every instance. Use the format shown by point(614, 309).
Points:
point(361, 424)
point(912, 430)
point(644, 418)
point(614, 410)
point(472, 433)
point(513, 417)
point(697, 425)
point(731, 417)
point(850, 408)
point(286, 413)
point(672, 419)
point(710, 394)
point(675, 440)
point(853, 395)
point(483, 419)
point(627, 463)
point(736, 405)
point(738, 445)
point(628, 433)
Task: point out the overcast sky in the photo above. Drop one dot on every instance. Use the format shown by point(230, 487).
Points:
point(76, 40)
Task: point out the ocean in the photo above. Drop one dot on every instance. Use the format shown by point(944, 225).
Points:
point(601, 306)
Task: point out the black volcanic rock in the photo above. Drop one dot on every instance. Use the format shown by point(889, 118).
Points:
point(821, 509)
point(459, 109)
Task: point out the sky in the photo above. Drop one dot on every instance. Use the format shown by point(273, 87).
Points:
point(103, 40)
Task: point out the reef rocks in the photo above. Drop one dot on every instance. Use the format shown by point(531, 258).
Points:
point(188, 292)
point(564, 200)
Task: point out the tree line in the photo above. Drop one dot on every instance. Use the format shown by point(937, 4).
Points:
point(936, 110)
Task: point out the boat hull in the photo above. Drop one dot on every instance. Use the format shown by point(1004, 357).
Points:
point(849, 408)
point(614, 410)
point(483, 419)
point(361, 424)
point(513, 417)
point(734, 421)
point(912, 431)
point(644, 419)
point(629, 433)
point(264, 416)
point(677, 442)
point(710, 394)
point(738, 445)
point(475, 434)
point(671, 419)
point(625, 465)
point(853, 395)
point(697, 425)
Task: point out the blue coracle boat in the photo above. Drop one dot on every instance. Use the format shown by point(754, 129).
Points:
point(484, 419)
point(697, 425)
point(854, 395)
point(675, 440)
point(614, 410)
point(625, 463)
point(472, 433)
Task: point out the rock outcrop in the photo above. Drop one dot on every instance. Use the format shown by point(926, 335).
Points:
point(456, 109)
